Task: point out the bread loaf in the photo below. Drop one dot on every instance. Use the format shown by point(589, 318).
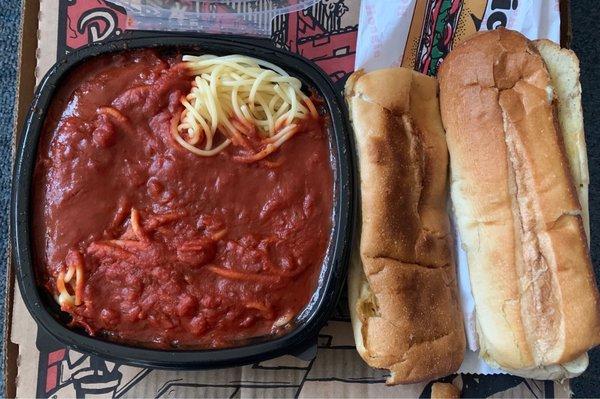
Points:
point(402, 284)
point(517, 156)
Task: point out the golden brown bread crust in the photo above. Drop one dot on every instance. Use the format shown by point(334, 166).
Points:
point(444, 390)
point(517, 211)
point(409, 315)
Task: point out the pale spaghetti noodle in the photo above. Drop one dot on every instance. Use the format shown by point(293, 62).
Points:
point(70, 285)
point(234, 98)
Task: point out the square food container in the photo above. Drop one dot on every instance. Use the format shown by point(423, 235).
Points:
point(333, 271)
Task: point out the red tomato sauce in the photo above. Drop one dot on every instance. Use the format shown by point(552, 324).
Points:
point(224, 250)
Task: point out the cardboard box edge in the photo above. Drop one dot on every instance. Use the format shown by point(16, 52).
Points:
point(25, 84)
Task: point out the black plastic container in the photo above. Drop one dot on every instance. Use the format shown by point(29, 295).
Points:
point(333, 273)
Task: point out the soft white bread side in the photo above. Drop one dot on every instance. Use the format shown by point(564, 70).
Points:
point(402, 285)
point(515, 202)
point(563, 66)
point(552, 372)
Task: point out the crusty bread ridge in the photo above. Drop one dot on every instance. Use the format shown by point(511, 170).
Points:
point(402, 287)
point(517, 210)
point(563, 66)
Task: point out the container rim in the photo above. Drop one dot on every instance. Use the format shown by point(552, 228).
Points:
point(337, 255)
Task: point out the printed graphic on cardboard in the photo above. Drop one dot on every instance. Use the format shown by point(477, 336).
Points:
point(439, 25)
point(325, 33)
point(65, 373)
point(88, 21)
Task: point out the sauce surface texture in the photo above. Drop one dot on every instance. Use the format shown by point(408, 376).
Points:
point(178, 251)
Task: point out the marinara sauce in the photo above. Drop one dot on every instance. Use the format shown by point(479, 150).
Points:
point(177, 250)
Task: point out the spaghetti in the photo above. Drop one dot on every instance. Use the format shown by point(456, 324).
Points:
point(240, 98)
point(70, 284)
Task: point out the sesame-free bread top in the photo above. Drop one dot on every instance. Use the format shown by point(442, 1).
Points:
point(402, 286)
point(516, 204)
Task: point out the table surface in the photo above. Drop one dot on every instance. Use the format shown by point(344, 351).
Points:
point(586, 43)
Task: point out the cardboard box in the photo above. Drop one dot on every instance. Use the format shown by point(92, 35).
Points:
point(37, 365)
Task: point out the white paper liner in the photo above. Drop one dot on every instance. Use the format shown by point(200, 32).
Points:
point(384, 26)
